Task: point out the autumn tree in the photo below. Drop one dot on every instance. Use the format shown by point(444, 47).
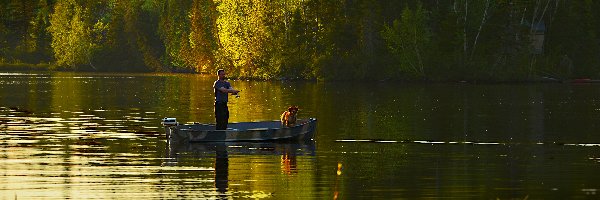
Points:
point(174, 30)
point(198, 51)
point(71, 31)
point(243, 37)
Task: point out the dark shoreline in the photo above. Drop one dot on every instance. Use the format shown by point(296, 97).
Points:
point(23, 67)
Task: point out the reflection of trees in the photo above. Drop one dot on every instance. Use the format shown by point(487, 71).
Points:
point(518, 115)
point(262, 101)
point(67, 93)
point(515, 116)
point(370, 110)
point(201, 98)
point(392, 111)
point(259, 101)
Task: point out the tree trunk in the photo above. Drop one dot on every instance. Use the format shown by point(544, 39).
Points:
point(483, 20)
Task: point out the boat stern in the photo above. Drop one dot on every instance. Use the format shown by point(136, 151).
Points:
point(167, 123)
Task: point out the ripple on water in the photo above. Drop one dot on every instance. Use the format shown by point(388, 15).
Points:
point(462, 142)
point(25, 125)
point(583, 145)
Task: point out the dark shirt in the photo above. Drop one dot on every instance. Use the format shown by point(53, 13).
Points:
point(221, 96)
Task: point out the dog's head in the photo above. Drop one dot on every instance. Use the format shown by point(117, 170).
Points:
point(293, 109)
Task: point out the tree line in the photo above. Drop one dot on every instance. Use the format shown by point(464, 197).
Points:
point(309, 39)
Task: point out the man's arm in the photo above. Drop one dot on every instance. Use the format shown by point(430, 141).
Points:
point(230, 90)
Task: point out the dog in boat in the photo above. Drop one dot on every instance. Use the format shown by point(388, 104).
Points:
point(288, 118)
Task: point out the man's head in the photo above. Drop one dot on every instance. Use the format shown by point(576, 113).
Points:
point(221, 73)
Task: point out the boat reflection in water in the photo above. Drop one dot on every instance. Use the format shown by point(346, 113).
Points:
point(243, 153)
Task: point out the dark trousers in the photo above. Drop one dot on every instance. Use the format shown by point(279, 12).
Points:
point(221, 115)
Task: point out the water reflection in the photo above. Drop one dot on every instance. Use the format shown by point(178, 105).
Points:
point(99, 134)
point(22, 124)
point(87, 135)
point(221, 171)
point(232, 157)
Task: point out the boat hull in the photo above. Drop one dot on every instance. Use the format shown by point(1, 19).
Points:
point(244, 131)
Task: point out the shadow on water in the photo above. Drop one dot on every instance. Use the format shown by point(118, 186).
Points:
point(177, 147)
point(178, 151)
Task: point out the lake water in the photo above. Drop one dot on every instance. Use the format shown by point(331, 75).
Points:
point(90, 135)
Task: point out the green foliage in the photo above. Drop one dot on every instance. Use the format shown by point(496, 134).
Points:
point(574, 53)
point(15, 24)
point(308, 39)
point(199, 50)
point(174, 28)
point(409, 39)
point(128, 42)
point(243, 36)
point(71, 32)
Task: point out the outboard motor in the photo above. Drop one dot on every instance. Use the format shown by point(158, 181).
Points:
point(168, 123)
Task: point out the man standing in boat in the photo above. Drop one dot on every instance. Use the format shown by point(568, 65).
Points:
point(222, 88)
